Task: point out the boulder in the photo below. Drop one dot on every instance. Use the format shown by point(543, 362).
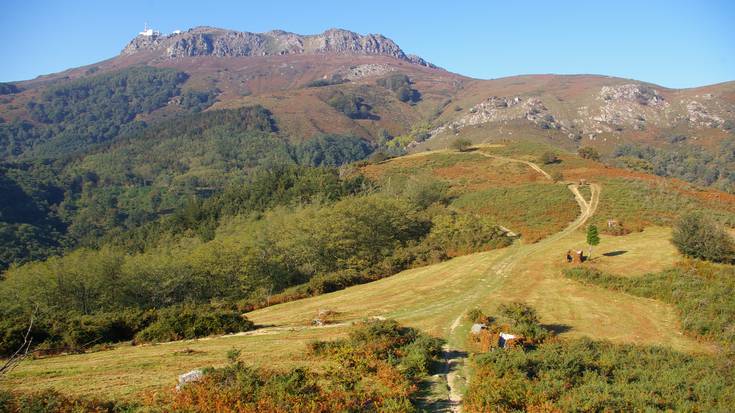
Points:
point(190, 377)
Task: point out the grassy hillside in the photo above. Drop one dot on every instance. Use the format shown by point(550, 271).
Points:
point(431, 298)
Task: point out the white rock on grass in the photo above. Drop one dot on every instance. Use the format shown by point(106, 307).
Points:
point(190, 377)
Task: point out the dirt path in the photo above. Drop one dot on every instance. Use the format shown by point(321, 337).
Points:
point(454, 359)
point(528, 163)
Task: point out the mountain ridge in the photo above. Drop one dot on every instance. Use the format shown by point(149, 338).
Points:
point(213, 41)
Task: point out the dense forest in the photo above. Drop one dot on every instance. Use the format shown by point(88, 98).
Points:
point(688, 162)
point(74, 115)
point(302, 227)
point(208, 209)
point(145, 175)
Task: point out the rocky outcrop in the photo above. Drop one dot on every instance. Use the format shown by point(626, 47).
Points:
point(699, 115)
point(207, 41)
point(499, 109)
point(190, 377)
point(634, 93)
point(367, 70)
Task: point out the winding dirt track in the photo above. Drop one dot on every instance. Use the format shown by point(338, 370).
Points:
point(453, 358)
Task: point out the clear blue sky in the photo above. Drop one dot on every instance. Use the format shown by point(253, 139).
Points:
point(672, 43)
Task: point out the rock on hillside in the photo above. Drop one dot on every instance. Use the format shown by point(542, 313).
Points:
point(608, 110)
point(208, 41)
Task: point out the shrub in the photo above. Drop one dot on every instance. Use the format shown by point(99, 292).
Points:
point(461, 233)
point(197, 101)
point(518, 313)
point(476, 315)
point(82, 331)
point(334, 80)
point(53, 401)
point(524, 321)
point(191, 321)
point(583, 375)
point(461, 144)
point(376, 369)
point(378, 157)
point(588, 152)
point(697, 236)
point(327, 283)
point(331, 150)
point(351, 105)
point(8, 89)
point(548, 158)
point(401, 85)
point(557, 176)
point(55, 333)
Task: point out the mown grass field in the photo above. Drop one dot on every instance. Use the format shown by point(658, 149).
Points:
point(431, 298)
point(128, 372)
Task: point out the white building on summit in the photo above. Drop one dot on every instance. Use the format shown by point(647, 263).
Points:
point(148, 32)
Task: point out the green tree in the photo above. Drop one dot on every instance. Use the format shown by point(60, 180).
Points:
point(593, 237)
point(588, 152)
point(696, 236)
point(549, 157)
point(461, 144)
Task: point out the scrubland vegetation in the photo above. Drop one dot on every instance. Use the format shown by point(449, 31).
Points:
point(376, 368)
point(688, 162)
point(550, 374)
point(307, 229)
point(584, 375)
point(173, 230)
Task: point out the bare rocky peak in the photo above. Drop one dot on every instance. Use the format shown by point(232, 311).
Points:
point(210, 41)
point(641, 94)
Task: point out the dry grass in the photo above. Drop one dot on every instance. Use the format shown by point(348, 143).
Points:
point(429, 298)
point(464, 172)
point(126, 371)
point(432, 298)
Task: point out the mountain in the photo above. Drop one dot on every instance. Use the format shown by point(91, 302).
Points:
point(209, 41)
point(124, 141)
point(213, 182)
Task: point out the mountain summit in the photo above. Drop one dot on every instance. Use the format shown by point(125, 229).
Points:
point(210, 41)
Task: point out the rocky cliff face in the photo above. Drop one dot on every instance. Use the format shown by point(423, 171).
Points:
point(207, 41)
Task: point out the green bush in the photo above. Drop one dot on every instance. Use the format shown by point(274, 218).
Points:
point(51, 401)
point(8, 89)
point(697, 236)
point(335, 80)
point(401, 85)
point(462, 233)
point(548, 158)
point(197, 101)
point(331, 150)
point(524, 321)
point(83, 331)
point(353, 106)
point(192, 321)
point(327, 283)
point(692, 163)
point(588, 152)
point(583, 375)
point(461, 144)
point(376, 369)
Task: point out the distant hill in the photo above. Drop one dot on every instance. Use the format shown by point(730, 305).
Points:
point(123, 141)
